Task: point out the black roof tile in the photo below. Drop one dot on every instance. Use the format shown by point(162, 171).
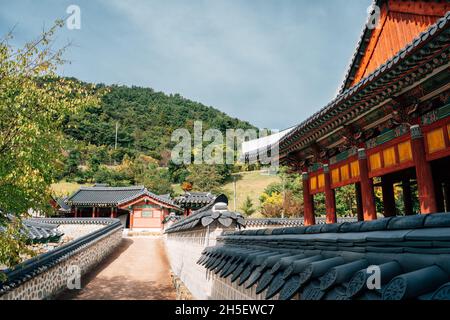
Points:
point(194, 199)
point(413, 259)
point(99, 195)
point(215, 211)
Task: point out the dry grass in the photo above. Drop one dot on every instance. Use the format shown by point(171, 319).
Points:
point(64, 188)
point(250, 184)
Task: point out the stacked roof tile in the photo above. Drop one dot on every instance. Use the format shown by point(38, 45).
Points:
point(288, 222)
point(36, 231)
point(215, 211)
point(194, 199)
point(335, 261)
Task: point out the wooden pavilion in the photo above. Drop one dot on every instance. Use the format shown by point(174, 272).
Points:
point(389, 123)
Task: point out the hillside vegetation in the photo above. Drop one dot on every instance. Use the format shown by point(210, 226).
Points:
point(249, 184)
point(145, 120)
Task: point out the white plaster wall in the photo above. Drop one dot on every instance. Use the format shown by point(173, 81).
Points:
point(183, 250)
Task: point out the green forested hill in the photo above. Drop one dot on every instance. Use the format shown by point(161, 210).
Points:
point(146, 120)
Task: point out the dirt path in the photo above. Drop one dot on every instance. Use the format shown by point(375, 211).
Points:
point(137, 270)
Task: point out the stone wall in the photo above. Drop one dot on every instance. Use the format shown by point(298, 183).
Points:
point(47, 284)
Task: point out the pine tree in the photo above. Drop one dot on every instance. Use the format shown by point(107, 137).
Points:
point(247, 207)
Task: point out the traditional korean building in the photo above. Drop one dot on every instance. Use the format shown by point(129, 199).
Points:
point(135, 206)
point(390, 123)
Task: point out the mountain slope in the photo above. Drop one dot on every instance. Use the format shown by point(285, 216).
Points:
point(146, 120)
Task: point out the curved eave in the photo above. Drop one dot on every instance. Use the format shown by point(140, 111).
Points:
point(375, 88)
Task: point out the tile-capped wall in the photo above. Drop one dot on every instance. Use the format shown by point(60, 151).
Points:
point(54, 280)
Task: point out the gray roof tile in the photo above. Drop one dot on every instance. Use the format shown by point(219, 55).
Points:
point(413, 259)
point(100, 195)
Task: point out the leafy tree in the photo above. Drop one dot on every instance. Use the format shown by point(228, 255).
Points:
point(289, 191)
point(271, 205)
point(247, 207)
point(146, 120)
point(204, 177)
point(33, 105)
point(186, 186)
point(156, 180)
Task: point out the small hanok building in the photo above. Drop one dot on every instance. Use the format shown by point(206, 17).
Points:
point(390, 123)
point(192, 201)
point(137, 208)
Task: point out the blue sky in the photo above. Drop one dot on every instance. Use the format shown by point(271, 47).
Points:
point(270, 62)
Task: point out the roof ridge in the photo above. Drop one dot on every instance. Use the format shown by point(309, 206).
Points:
point(92, 188)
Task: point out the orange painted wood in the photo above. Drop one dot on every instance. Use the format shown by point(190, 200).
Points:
point(400, 22)
point(142, 199)
point(443, 123)
point(367, 194)
point(308, 204)
point(330, 199)
point(425, 185)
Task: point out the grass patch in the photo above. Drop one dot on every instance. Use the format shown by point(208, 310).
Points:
point(250, 184)
point(64, 188)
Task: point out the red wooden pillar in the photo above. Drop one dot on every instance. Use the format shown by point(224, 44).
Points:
point(75, 211)
point(368, 197)
point(131, 219)
point(330, 197)
point(93, 212)
point(387, 187)
point(308, 203)
point(425, 186)
point(112, 212)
